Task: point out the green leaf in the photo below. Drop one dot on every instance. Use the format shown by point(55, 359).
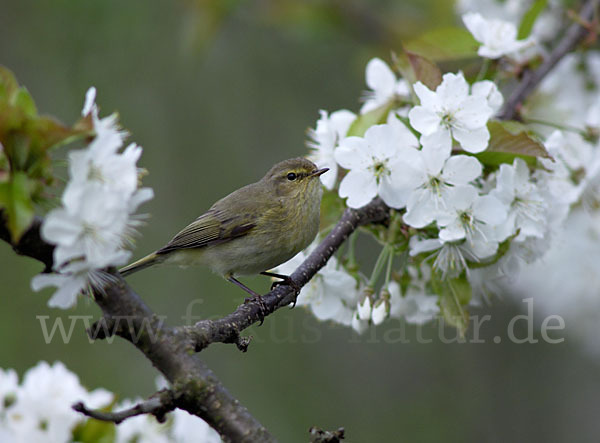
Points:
point(454, 295)
point(530, 17)
point(23, 100)
point(15, 198)
point(25, 141)
point(52, 133)
point(364, 121)
point(416, 68)
point(443, 44)
point(94, 431)
point(8, 84)
point(510, 140)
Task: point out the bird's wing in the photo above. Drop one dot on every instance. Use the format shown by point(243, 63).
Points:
point(231, 217)
point(211, 228)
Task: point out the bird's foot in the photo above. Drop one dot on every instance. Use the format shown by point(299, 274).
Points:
point(261, 304)
point(287, 281)
point(284, 280)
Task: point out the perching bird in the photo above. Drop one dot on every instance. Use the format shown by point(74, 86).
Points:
point(253, 229)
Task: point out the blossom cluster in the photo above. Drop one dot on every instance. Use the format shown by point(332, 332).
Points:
point(97, 218)
point(39, 410)
point(469, 216)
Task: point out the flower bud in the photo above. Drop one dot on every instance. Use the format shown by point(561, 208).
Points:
point(381, 310)
point(364, 304)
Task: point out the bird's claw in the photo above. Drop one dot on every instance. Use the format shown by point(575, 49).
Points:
point(292, 284)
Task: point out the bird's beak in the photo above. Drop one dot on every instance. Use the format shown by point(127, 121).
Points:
point(318, 172)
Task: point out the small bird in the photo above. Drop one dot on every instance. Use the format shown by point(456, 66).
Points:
point(253, 229)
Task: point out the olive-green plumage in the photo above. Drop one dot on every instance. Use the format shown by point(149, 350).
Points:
point(253, 229)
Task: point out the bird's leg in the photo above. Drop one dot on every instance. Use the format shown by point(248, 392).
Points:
point(255, 297)
point(285, 280)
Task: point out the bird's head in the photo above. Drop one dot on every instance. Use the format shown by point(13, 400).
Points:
point(294, 178)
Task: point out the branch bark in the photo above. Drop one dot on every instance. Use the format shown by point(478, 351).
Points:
point(172, 349)
point(30, 244)
point(532, 78)
point(158, 405)
point(227, 329)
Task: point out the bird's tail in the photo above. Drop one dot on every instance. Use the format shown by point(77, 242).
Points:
point(142, 263)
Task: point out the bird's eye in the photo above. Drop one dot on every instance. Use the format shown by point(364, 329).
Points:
point(291, 176)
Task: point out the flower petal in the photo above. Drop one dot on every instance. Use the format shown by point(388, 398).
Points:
point(476, 25)
point(453, 231)
point(427, 97)
point(453, 90)
point(473, 141)
point(473, 113)
point(490, 92)
point(359, 187)
point(461, 169)
point(424, 120)
point(61, 228)
point(353, 153)
point(490, 210)
point(436, 150)
point(380, 77)
point(392, 192)
point(421, 209)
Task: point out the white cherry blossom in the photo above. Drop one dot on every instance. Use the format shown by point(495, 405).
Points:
point(110, 170)
point(9, 385)
point(188, 428)
point(359, 325)
point(42, 409)
point(470, 216)
point(526, 206)
point(416, 306)
point(384, 85)
point(430, 174)
point(452, 112)
point(592, 118)
point(325, 138)
point(565, 281)
point(89, 106)
point(373, 162)
point(96, 219)
point(489, 90)
point(92, 229)
point(498, 37)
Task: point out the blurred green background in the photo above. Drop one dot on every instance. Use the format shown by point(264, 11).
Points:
point(216, 92)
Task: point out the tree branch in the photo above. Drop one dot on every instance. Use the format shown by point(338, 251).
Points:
point(532, 78)
point(320, 436)
point(194, 387)
point(31, 243)
point(227, 329)
point(158, 405)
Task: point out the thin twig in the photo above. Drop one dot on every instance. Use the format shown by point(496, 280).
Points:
point(531, 79)
point(157, 405)
point(320, 436)
point(228, 328)
point(171, 350)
